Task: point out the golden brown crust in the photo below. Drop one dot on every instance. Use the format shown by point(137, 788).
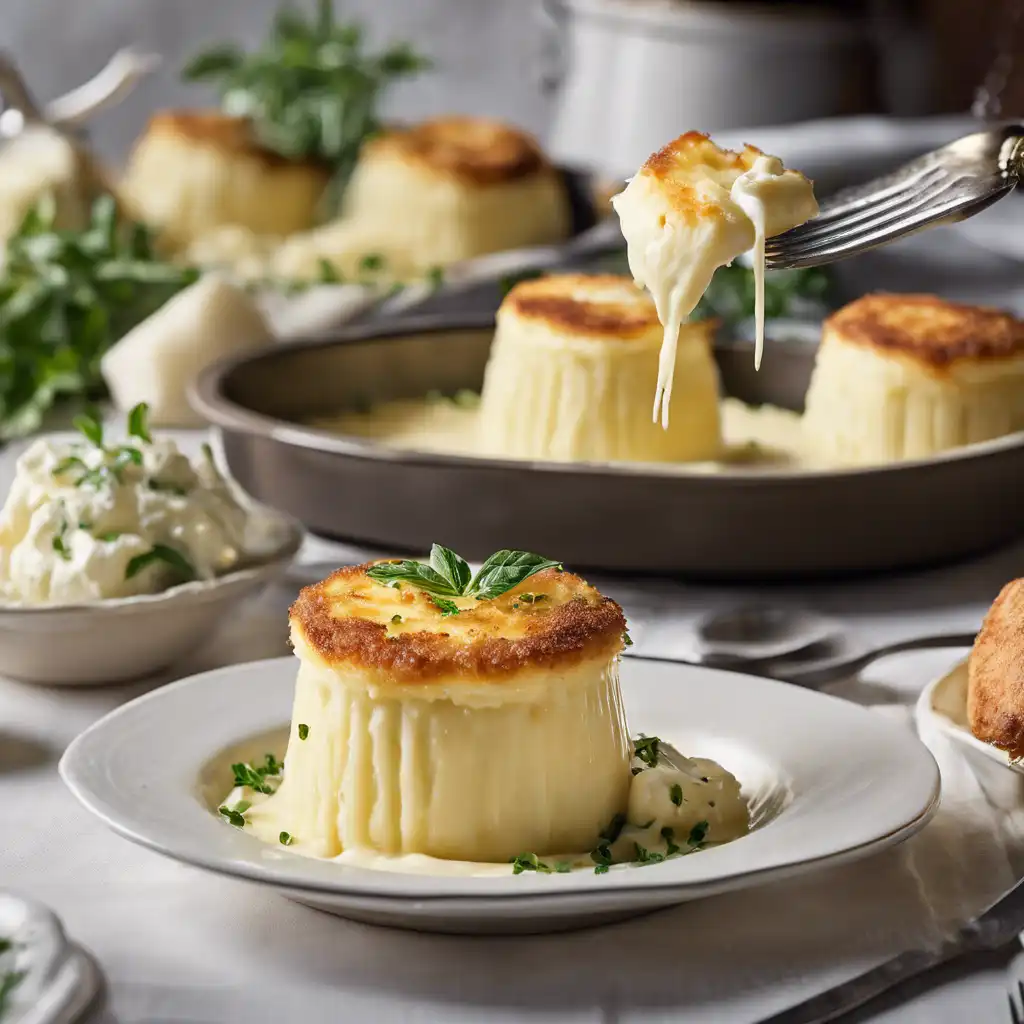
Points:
point(472, 149)
point(554, 633)
point(995, 688)
point(671, 166)
point(223, 132)
point(608, 305)
point(926, 329)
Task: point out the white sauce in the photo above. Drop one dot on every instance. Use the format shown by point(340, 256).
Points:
point(77, 515)
point(765, 437)
point(666, 802)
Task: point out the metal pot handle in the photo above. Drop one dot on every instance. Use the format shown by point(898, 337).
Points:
point(550, 70)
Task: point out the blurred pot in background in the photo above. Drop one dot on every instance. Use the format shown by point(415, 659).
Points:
point(630, 74)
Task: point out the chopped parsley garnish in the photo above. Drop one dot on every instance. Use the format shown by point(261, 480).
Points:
point(447, 607)
point(8, 983)
point(529, 862)
point(138, 423)
point(396, 620)
point(256, 778)
point(372, 262)
point(601, 869)
point(60, 544)
point(675, 794)
point(161, 553)
point(234, 817)
point(532, 598)
point(563, 867)
point(613, 829)
point(285, 838)
point(435, 277)
point(644, 856)
point(90, 426)
point(327, 272)
point(698, 834)
point(646, 749)
point(303, 730)
point(109, 537)
point(601, 854)
point(448, 574)
point(71, 462)
point(627, 640)
point(668, 834)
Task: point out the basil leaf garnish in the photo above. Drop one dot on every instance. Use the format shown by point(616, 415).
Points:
point(161, 553)
point(90, 427)
point(420, 575)
point(506, 569)
point(454, 568)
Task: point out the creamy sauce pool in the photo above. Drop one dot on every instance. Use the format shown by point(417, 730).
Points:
point(764, 437)
point(675, 793)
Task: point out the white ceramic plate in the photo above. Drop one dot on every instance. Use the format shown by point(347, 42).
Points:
point(56, 979)
point(944, 703)
point(828, 782)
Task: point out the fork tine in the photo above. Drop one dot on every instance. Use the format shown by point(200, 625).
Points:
point(828, 223)
point(940, 205)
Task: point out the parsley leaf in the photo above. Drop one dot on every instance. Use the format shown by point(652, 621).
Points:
point(161, 553)
point(234, 817)
point(138, 423)
point(698, 834)
point(285, 839)
point(675, 794)
point(416, 573)
point(646, 749)
point(90, 426)
point(303, 730)
point(529, 862)
point(613, 829)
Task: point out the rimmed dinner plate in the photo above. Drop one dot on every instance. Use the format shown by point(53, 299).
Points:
point(828, 782)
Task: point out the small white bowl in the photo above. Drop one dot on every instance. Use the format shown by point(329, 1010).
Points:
point(129, 638)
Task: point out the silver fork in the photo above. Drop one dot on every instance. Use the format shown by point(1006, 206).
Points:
point(949, 184)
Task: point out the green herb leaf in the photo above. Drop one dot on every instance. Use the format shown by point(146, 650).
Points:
point(233, 816)
point(71, 462)
point(327, 272)
point(59, 542)
point(669, 835)
point(613, 829)
point(452, 567)
point(506, 569)
point(303, 730)
point(646, 749)
point(161, 553)
point(435, 278)
point(675, 794)
point(91, 427)
point(166, 488)
point(627, 640)
point(601, 869)
point(109, 537)
point(447, 607)
point(285, 839)
point(8, 983)
point(372, 262)
point(730, 296)
point(271, 766)
point(420, 575)
point(529, 862)
point(138, 423)
point(601, 854)
point(311, 91)
point(396, 620)
point(642, 855)
point(563, 867)
point(698, 834)
point(532, 598)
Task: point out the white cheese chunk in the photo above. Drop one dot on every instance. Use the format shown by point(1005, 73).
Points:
point(157, 360)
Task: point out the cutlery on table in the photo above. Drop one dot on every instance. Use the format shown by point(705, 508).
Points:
point(1015, 987)
point(998, 926)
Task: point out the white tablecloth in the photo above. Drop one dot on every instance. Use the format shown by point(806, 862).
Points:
point(180, 945)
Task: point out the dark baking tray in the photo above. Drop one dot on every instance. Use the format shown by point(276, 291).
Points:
point(640, 518)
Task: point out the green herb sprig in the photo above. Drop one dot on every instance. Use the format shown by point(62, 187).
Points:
point(256, 778)
point(66, 297)
point(311, 91)
point(448, 575)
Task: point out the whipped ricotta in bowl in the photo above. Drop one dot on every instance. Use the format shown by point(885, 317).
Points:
point(92, 518)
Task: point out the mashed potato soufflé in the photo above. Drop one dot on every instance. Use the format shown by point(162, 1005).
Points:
point(428, 704)
point(693, 208)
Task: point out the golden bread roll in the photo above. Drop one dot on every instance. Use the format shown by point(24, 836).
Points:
point(907, 376)
point(474, 735)
point(572, 370)
point(995, 688)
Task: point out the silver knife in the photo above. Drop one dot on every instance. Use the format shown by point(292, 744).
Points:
point(1001, 924)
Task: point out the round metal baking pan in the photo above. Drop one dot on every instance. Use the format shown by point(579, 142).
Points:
point(642, 518)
